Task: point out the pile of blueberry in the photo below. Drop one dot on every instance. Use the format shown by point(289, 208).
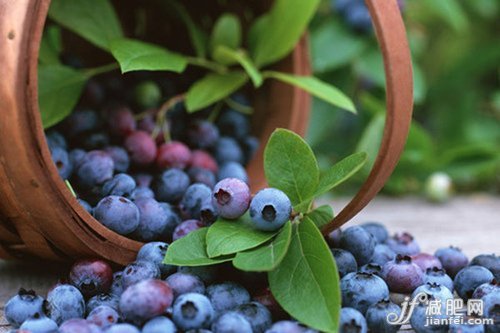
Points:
point(148, 176)
point(376, 270)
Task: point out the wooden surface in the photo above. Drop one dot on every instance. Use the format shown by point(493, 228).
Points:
point(471, 223)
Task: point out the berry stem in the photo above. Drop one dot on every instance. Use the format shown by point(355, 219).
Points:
point(245, 109)
point(207, 64)
point(161, 120)
point(102, 69)
point(215, 112)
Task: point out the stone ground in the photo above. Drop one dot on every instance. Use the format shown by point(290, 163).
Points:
point(471, 223)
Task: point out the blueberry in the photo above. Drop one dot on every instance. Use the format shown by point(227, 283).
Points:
point(202, 134)
point(142, 192)
point(333, 238)
point(147, 124)
point(91, 277)
point(86, 206)
point(402, 275)
point(77, 157)
point(62, 161)
point(41, 324)
point(288, 326)
point(257, 315)
point(250, 145)
point(438, 275)
point(377, 314)
point(469, 278)
point(492, 310)
point(192, 310)
point(141, 148)
point(227, 296)
point(435, 290)
point(371, 268)
point(346, 263)
point(230, 322)
point(420, 316)
point(65, 302)
point(97, 140)
point(123, 328)
point(232, 170)
point(154, 252)
point(96, 168)
point(359, 242)
point(186, 227)
point(156, 221)
point(145, 300)
point(360, 290)
point(403, 244)
point(270, 209)
point(452, 259)
point(231, 198)
point(174, 154)
point(143, 179)
point(56, 140)
point(200, 175)
point(485, 289)
point(103, 316)
point(227, 149)
point(109, 300)
point(94, 93)
point(171, 185)
point(81, 121)
point(118, 214)
point(120, 158)
point(120, 185)
point(121, 121)
point(195, 199)
point(139, 271)
point(426, 261)
point(147, 94)
point(382, 254)
point(489, 261)
point(202, 159)
point(159, 325)
point(341, 5)
point(234, 124)
point(26, 304)
point(117, 285)
point(79, 326)
point(183, 283)
point(359, 17)
point(377, 230)
point(351, 320)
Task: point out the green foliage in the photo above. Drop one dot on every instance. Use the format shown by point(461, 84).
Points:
point(94, 20)
point(226, 32)
point(133, 55)
point(321, 216)
point(317, 301)
point(51, 46)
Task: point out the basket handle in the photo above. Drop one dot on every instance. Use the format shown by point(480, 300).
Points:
point(390, 31)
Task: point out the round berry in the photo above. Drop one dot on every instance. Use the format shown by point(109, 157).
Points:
point(377, 230)
point(227, 296)
point(377, 314)
point(227, 149)
point(182, 283)
point(96, 168)
point(121, 121)
point(65, 302)
point(174, 154)
point(139, 271)
point(257, 315)
point(118, 214)
point(103, 316)
point(452, 259)
point(346, 263)
point(141, 148)
point(426, 261)
point(26, 304)
point(186, 228)
point(233, 170)
point(192, 311)
point(157, 221)
point(359, 242)
point(110, 300)
point(62, 161)
point(154, 252)
point(120, 185)
point(159, 325)
point(41, 324)
point(202, 159)
point(360, 290)
point(469, 278)
point(270, 209)
point(231, 198)
point(438, 275)
point(171, 185)
point(120, 158)
point(403, 244)
point(231, 322)
point(351, 320)
point(202, 134)
point(402, 275)
point(91, 276)
point(147, 94)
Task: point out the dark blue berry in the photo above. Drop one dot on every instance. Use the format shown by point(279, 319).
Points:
point(270, 209)
point(183, 283)
point(360, 290)
point(257, 315)
point(55, 139)
point(469, 278)
point(346, 263)
point(159, 325)
point(26, 304)
point(110, 300)
point(438, 275)
point(382, 254)
point(118, 214)
point(120, 158)
point(202, 134)
point(192, 311)
point(139, 271)
point(156, 221)
point(231, 322)
point(154, 252)
point(232, 170)
point(227, 296)
point(65, 302)
point(485, 289)
point(81, 121)
point(377, 230)
point(171, 185)
point(203, 176)
point(359, 242)
point(489, 261)
point(351, 320)
point(227, 149)
point(62, 161)
point(86, 206)
point(435, 290)
point(142, 192)
point(96, 168)
point(196, 197)
point(452, 259)
point(234, 124)
point(377, 314)
point(120, 185)
point(371, 268)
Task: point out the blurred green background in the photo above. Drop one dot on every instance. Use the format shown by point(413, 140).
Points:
point(456, 129)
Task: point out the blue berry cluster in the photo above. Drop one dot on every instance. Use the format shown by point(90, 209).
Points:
point(150, 179)
point(373, 267)
point(150, 297)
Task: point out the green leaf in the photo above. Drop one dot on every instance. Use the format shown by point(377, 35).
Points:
point(191, 251)
point(134, 55)
point(59, 88)
point(213, 88)
point(450, 11)
point(198, 37)
point(371, 139)
point(278, 34)
point(306, 282)
point(321, 216)
point(315, 87)
point(228, 237)
point(51, 46)
point(226, 32)
point(239, 56)
point(94, 20)
point(290, 166)
point(340, 172)
point(334, 45)
point(266, 257)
